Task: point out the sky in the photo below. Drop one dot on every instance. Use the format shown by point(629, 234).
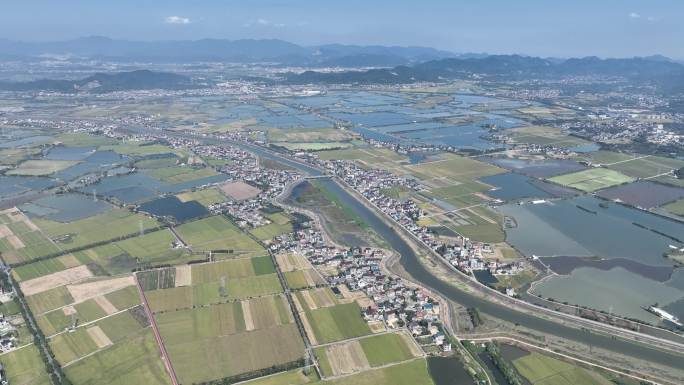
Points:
point(571, 28)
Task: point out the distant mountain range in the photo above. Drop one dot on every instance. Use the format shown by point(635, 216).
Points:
point(102, 83)
point(239, 51)
point(658, 71)
point(394, 65)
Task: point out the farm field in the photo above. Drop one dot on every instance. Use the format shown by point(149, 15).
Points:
point(231, 338)
point(69, 347)
point(205, 197)
point(545, 136)
point(20, 239)
point(292, 377)
point(314, 146)
point(454, 168)
point(25, 367)
point(301, 279)
point(175, 175)
point(151, 249)
point(592, 180)
point(41, 167)
point(357, 355)
point(88, 231)
point(648, 166)
point(409, 373)
point(605, 157)
point(134, 360)
point(337, 322)
point(141, 149)
point(217, 233)
point(44, 267)
point(270, 231)
point(218, 282)
point(676, 208)
point(540, 369)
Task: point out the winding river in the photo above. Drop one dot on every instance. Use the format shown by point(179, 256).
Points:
point(412, 265)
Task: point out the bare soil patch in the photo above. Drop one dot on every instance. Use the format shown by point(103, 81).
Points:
point(84, 291)
point(51, 281)
point(183, 275)
point(247, 315)
point(106, 305)
point(346, 358)
point(239, 190)
point(99, 337)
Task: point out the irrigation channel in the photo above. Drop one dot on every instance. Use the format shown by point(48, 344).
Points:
point(409, 260)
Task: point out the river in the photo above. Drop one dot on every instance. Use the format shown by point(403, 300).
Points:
point(409, 260)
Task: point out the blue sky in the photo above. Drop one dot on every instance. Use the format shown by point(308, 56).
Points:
point(606, 28)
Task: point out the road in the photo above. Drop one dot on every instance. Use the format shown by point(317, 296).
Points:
point(162, 349)
point(545, 321)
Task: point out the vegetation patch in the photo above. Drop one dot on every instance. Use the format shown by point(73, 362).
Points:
point(337, 322)
point(592, 179)
point(41, 167)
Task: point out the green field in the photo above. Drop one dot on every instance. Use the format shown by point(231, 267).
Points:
point(175, 175)
point(56, 320)
point(29, 242)
point(164, 278)
point(647, 167)
point(49, 300)
point(205, 197)
point(233, 354)
point(410, 373)
point(545, 136)
point(377, 350)
point(178, 327)
point(592, 179)
point(150, 250)
point(217, 233)
point(83, 140)
point(454, 167)
point(237, 288)
point(676, 208)
point(227, 340)
point(25, 367)
point(314, 146)
point(142, 149)
point(133, 361)
point(44, 267)
point(270, 231)
point(170, 299)
point(88, 231)
point(292, 377)
point(41, 167)
point(71, 346)
point(604, 157)
point(337, 322)
point(540, 369)
point(385, 348)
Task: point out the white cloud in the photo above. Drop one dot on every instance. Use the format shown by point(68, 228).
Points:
point(176, 20)
point(634, 15)
point(261, 22)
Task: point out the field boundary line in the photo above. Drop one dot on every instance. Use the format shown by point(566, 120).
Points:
point(567, 356)
point(153, 323)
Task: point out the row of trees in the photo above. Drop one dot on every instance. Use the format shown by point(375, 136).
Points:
point(51, 366)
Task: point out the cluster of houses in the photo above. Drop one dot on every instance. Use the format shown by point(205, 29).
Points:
point(461, 252)
point(8, 335)
point(393, 301)
point(243, 166)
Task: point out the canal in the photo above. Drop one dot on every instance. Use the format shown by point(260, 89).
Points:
point(412, 265)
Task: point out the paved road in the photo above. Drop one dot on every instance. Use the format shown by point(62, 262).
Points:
point(157, 336)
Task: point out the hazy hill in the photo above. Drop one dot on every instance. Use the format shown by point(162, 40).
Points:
point(100, 82)
point(245, 51)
